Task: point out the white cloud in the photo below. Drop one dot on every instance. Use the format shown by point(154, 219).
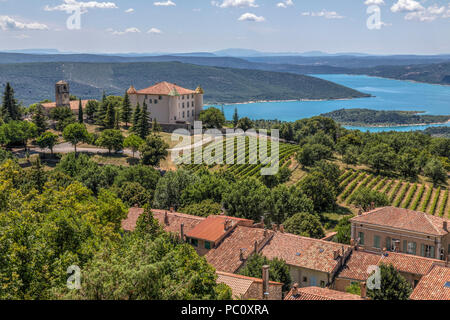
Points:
point(10, 24)
point(406, 6)
point(22, 36)
point(374, 2)
point(251, 17)
point(119, 33)
point(325, 14)
point(235, 4)
point(129, 10)
point(167, 3)
point(71, 5)
point(285, 4)
point(429, 14)
point(154, 31)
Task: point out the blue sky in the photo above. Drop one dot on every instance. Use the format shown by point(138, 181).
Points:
point(113, 26)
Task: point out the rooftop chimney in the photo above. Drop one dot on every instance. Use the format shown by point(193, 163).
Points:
point(256, 246)
point(182, 232)
point(274, 227)
point(265, 274)
point(360, 211)
point(166, 218)
point(336, 254)
point(363, 290)
point(281, 228)
point(265, 232)
point(241, 254)
point(295, 289)
point(445, 225)
point(172, 209)
point(372, 205)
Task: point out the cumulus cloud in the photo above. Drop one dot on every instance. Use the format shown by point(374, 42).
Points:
point(406, 6)
point(129, 10)
point(71, 5)
point(251, 17)
point(325, 14)
point(167, 3)
point(374, 2)
point(429, 14)
point(154, 31)
point(129, 30)
point(285, 4)
point(10, 24)
point(235, 4)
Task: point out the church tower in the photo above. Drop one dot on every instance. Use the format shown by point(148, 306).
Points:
point(62, 95)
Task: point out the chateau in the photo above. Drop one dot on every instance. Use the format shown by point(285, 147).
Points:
point(169, 103)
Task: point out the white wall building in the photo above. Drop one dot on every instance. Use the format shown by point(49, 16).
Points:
point(168, 103)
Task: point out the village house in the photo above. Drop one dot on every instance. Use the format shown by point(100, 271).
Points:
point(169, 103)
point(62, 99)
point(434, 286)
point(317, 293)
point(402, 230)
point(356, 269)
point(247, 288)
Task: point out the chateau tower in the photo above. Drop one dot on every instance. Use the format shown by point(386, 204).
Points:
point(62, 95)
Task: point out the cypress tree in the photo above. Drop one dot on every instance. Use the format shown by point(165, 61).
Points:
point(10, 108)
point(110, 116)
point(235, 118)
point(101, 113)
point(39, 119)
point(126, 110)
point(143, 127)
point(155, 126)
point(80, 112)
point(136, 115)
point(117, 120)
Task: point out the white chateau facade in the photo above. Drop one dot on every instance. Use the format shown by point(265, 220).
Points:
point(168, 103)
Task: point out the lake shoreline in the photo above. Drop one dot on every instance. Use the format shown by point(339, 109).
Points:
point(393, 125)
point(288, 100)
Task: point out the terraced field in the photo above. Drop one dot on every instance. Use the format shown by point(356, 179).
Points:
point(247, 162)
point(402, 194)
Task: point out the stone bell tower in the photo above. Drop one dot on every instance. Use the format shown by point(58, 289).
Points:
point(62, 95)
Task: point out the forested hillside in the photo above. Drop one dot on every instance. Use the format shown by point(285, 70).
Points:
point(35, 81)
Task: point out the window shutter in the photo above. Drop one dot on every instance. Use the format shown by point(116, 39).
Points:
point(414, 248)
point(422, 250)
point(388, 243)
point(405, 248)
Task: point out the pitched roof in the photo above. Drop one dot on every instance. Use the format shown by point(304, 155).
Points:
point(433, 286)
point(317, 293)
point(74, 104)
point(165, 89)
point(213, 228)
point(240, 284)
point(409, 263)
point(131, 90)
point(173, 223)
point(404, 219)
point(358, 264)
point(304, 252)
point(226, 256)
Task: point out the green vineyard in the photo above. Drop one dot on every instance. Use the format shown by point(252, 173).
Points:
point(246, 162)
point(402, 194)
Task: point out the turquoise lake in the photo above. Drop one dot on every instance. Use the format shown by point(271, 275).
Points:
point(388, 95)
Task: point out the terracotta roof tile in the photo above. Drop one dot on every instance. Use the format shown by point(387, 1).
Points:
point(175, 219)
point(213, 228)
point(74, 104)
point(409, 263)
point(165, 89)
point(226, 256)
point(357, 265)
point(404, 219)
point(433, 286)
point(304, 252)
point(317, 293)
point(240, 284)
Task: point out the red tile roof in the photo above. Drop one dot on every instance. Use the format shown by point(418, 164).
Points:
point(409, 263)
point(226, 256)
point(358, 264)
point(175, 219)
point(165, 89)
point(404, 219)
point(240, 284)
point(74, 104)
point(433, 286)
point(131, 90)
point(317, 293)
point(304, 252)
point(213, 228)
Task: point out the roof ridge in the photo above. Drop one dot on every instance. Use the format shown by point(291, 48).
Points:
point(313, 239)
point(431, 222)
